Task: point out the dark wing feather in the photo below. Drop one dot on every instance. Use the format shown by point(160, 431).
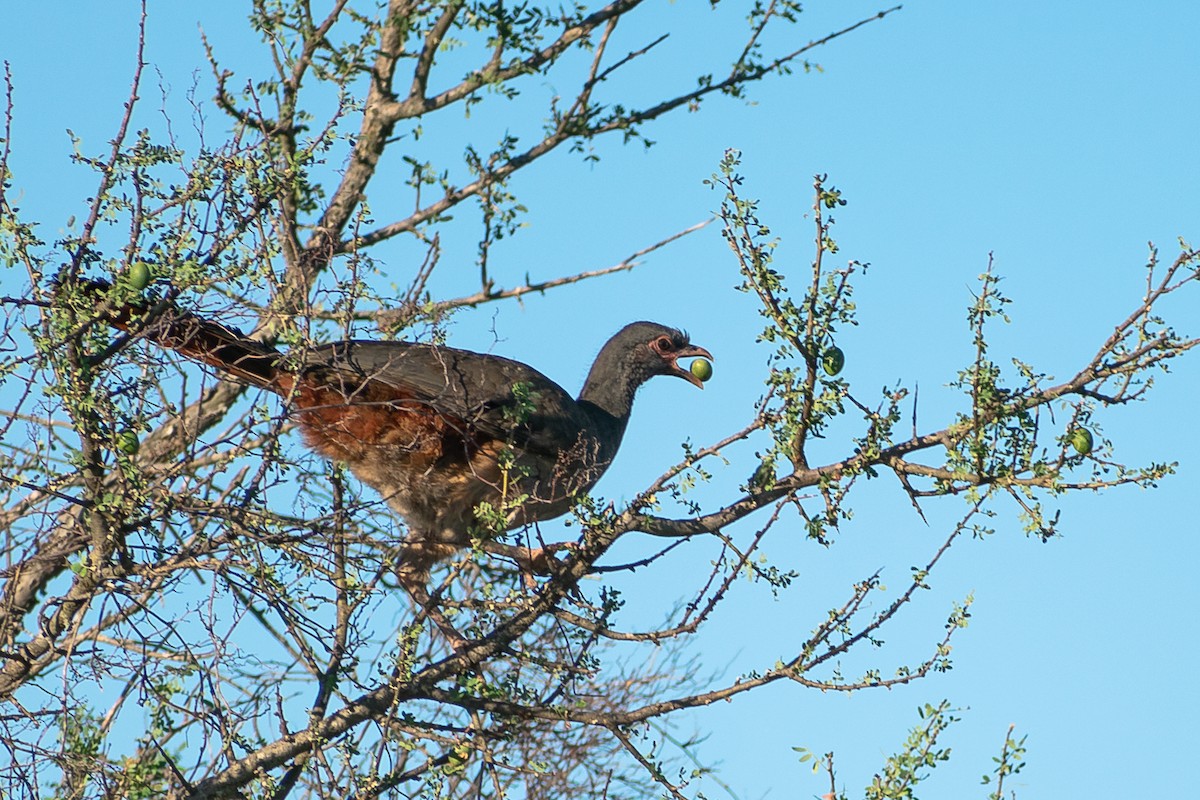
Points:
point(473, 387)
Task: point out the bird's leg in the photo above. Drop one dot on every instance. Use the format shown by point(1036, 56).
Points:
point(417, 591)
point(413, 571)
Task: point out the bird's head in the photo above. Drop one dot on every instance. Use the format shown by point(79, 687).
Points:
point(666, 346)
point(637, 353)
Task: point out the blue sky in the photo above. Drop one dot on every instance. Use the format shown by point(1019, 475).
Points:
point(1058, 139)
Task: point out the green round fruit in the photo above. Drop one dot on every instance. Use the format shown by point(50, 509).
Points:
point(138, 275)
point(1081, 440)
point(127, 442)
point(702, 369)
point(833, 360)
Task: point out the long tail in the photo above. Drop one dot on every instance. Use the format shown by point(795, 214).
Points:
point(199, 339)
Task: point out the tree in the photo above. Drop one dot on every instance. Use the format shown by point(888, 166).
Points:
point(151, 526)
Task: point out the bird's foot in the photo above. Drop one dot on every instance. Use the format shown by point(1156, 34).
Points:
point(532, 560)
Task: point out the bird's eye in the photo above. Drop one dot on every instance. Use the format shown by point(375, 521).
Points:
point(663, 344)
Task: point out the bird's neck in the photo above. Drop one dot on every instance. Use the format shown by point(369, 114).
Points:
point(614, 399)
point(607, 397)
point(611, 384)
point(608, 428)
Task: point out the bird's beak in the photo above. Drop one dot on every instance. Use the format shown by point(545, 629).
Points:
point(691, 351)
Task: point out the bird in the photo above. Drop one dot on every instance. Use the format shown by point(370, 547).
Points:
point(439, 432)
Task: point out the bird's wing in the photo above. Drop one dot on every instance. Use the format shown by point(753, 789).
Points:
point(493, 396)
